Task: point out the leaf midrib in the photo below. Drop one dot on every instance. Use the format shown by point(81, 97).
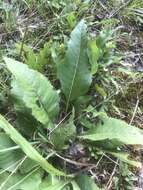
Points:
point(75, 72)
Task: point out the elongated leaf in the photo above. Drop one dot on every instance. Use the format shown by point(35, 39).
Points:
point(8, 155)
point(115, 129)
point(27, 147)
point(34, 90)
point(73, 73)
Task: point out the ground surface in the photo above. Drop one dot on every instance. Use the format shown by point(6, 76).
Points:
point(28, 27)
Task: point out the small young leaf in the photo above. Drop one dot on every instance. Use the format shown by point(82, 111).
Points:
point(36, 61)
point(94, 54)
point(71, 18)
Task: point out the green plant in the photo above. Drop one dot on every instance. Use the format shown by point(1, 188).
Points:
point(133, 11)
point(49, 119)
point(126, 179)
point(36, 61)
point(8, 15)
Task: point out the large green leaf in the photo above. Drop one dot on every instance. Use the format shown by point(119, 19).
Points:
point(116, 130)
point(34, 90)
point(9, 153)
point(17, 181)
point(73, 72)
point(27, 148)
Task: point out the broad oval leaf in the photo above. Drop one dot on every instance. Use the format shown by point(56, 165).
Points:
point(115, 129)
point(73, 72)
point(34, 90)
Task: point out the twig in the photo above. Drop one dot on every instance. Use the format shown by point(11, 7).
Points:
point(121, 7)
point(109, 183)
point(110, 159)
point(58, 124)
point(99, 160)
point(73, 162)
point(103, 6)
point(135, 111)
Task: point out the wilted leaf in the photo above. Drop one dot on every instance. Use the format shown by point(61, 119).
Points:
point(73, 73)
point(34, 90)
point(115, 129)
point(27, 147)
